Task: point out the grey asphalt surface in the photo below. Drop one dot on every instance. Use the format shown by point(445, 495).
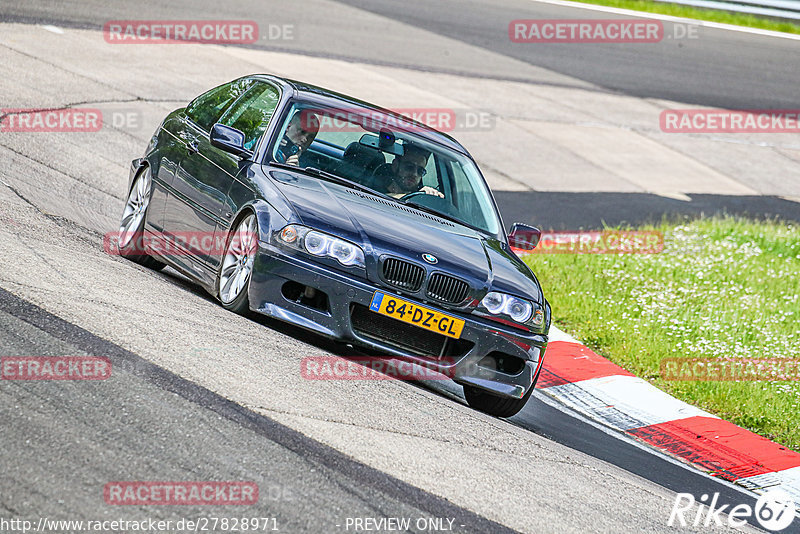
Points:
point(154, 423)
point(145, 423)
point(64, 440)
point(719, 68)
point(568, 211)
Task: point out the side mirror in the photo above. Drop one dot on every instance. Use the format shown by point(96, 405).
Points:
point(229, 139)
point(524, 237)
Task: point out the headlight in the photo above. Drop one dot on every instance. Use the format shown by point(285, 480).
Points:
point(289, 234)
point(517, 309)
point(345, 252)
point(321, 244)
point(494, 302)
point(316, 243)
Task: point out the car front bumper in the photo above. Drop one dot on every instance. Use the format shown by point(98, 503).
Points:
point(275, 266)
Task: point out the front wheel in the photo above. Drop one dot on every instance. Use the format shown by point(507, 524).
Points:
point(483, 401)
point(130, 239)
point(233, 281)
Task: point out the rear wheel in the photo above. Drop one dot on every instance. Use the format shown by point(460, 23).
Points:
point(130, 241)
point(233, 281)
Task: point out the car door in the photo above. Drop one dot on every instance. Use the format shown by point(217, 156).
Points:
point(200, 210)
point(197, 189)
point(169, 153)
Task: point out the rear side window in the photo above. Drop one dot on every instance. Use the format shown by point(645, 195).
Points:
point(206, 109)
point(251, 113)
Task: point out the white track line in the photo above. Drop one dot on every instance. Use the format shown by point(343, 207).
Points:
point(622, 436)
point(787, 480)
point(657, 16)
point(623, 402)
point(556, 334)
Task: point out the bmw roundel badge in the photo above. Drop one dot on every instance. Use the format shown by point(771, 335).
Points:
point(430, 258)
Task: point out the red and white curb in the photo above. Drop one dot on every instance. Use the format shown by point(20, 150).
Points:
point(586, 382)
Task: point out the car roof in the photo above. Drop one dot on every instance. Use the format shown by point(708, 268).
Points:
point(321, 95)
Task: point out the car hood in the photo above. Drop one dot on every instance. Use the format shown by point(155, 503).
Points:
point(386, 228)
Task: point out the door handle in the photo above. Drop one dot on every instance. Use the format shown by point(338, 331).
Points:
point(192, 147)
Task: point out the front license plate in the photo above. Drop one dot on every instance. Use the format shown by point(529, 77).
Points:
point(420, 316)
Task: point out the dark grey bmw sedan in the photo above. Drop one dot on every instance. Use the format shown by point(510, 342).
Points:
point(348, 220)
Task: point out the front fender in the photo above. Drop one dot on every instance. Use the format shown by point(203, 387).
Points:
point(136, 166)
point(269, 219)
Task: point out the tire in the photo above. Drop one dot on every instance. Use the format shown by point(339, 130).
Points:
point(483, 401)
point(236, 268)
point(131, 227)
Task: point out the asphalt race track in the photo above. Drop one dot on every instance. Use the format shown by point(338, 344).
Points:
point(719, 69)
point(200, 394)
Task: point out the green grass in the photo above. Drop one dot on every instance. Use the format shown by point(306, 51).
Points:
point(722, 287)
point(677, 10)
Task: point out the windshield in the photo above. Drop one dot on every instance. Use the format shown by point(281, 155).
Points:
point(390, 156)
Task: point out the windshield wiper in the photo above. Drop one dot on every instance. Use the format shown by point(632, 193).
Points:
point(432, 211)
point(330, 177)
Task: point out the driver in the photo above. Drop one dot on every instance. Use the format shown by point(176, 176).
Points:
point(302, 129)
point(406, 172)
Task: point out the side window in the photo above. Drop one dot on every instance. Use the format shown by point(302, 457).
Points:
point(252, 113)
point(207, 108)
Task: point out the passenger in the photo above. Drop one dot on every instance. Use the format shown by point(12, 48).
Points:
point(405, 173)
point(302, 129)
